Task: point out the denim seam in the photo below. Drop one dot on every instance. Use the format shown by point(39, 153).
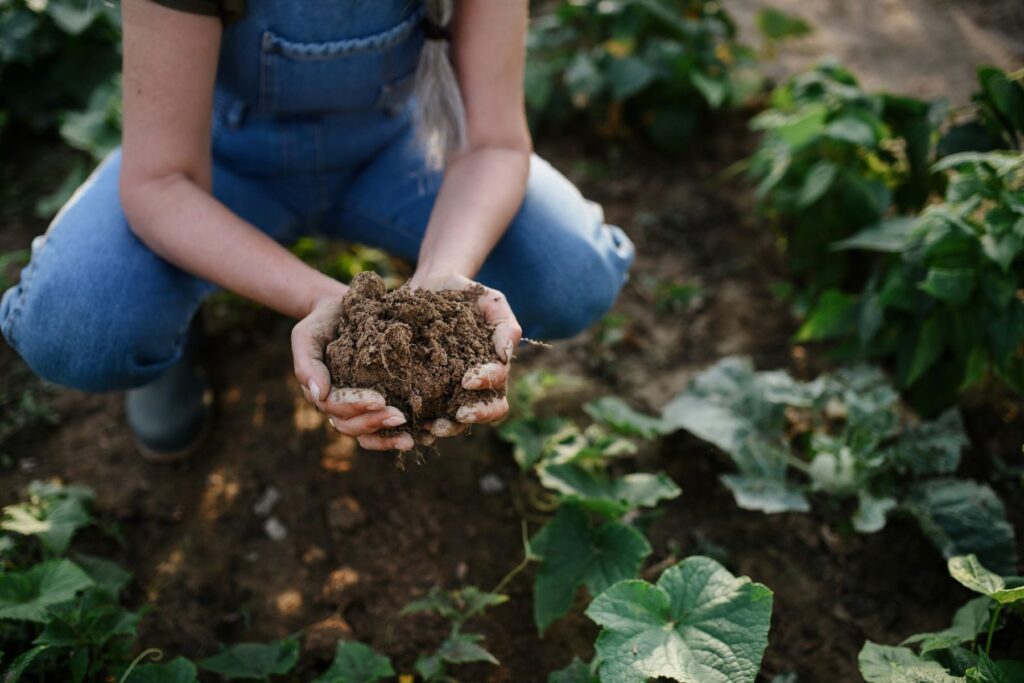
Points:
point(347, 46)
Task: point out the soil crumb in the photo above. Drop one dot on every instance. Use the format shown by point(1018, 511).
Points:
point(411, 346)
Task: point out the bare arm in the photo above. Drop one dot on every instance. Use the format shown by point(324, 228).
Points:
point(170, 61)
point(484, 185)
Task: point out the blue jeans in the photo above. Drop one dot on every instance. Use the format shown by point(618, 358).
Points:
point(97, 310)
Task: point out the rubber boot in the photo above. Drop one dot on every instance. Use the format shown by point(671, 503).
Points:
point(171, 416)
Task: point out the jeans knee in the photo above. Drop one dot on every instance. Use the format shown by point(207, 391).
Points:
point(568, 298)
point(68, 338)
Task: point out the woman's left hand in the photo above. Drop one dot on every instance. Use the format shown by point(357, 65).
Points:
point(498, 314)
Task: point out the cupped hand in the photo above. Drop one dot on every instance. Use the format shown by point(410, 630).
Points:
point(359, 413)
point(506, 335)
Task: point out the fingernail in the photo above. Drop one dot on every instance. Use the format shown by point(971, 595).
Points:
point(333, 423)
point(474, 381)
point(465, 414)
point(394, 421)
point(314, 390)
point(509, 347)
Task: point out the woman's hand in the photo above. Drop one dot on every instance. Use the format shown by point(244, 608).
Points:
point(507, 334)
point(355, 412)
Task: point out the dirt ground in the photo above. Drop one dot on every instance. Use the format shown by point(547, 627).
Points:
point(927, 48)
point(364, 538)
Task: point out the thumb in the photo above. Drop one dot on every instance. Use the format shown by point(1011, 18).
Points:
point(308, 362)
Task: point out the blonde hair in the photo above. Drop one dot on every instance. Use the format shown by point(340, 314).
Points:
point(440, 117)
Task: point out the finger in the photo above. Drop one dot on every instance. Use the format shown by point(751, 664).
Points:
point(444, 428)
point(308, 362)
point(479, 413)
point(368, 423)
point(497, 312)
point(349, 402)
point(426, 439)
point(376, 442)
point(487, 376)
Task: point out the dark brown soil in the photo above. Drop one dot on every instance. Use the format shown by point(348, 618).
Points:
point(411, 346)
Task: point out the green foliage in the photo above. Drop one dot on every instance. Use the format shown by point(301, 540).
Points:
point(657, 66)
point(998, 120)
point(961, 653)
point(458, 607)
point(254, 661)
point(53, 514)
point(776, 25)
point(356, 663)
point(699, 623)
point(178, 670)
point(944, 302)
point(843, 436)
point(577, 672)
point(834, 159)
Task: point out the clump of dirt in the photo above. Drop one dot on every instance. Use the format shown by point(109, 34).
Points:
point(413, 346)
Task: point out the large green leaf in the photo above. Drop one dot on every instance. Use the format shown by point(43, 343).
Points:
point(27, 595)
point(971, 573)
point(254, 661)
point(891, 236)
point(931, 447)
point(962, 517)
point(574, 552)
point(617, 414)
point(532, 437)
point(628, 76)
point(952, 285)
point(611, 497)
point(968, 622)
point(699, 623)
point(884, 664)
point(178, 670)
point(834, 315)
point(356, 663)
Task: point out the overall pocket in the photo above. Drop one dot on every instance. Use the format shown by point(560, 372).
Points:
point(355, 74)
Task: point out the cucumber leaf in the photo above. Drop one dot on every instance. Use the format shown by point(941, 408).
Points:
point(356, 663)
point(254, 661)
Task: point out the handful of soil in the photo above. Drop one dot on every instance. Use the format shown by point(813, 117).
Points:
point(411, 346)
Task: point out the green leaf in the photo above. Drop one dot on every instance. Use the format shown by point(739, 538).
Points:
point(968, 622)
point(628, 76)
point(852, 130)
point(577, 672)
point(356, 663)
point(574, 552)
point(927, 348)
point(890, 236)
point(617, 414)
point(714, 90)
point(26, 595)
point(952, 285)
point(962, 517)
point(884, 664)
point(798, 129)
point(871, 511)
point(986, 671)
point(609, 497)
point(254, 661)
point(455, 605)
point(766, 495)
point(22, 662)
point(933, 446)
point(818, 180)
point(178, 670)
point(531, 437)
point(107, 575)
point(777, 25)
point(834, 315)
point(971, 573)
point(53, 514)
point(699, 623)
point(1013, 669)
point(72, 18)
point(464, 648)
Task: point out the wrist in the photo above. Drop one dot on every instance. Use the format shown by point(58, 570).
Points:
point(321, 290)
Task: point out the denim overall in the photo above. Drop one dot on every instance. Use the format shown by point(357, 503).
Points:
point(311, 135)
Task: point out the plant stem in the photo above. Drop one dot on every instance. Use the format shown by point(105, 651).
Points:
point(992, 628)
point(523, 564)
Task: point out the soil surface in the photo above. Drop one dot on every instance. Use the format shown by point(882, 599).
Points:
point(411, 346)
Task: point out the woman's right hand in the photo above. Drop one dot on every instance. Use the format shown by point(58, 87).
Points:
point(359, 413)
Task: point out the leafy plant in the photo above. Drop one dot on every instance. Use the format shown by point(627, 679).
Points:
point(997, 116)
point(655, 66)
point(254, 661)
point(458, 607)
point(964, 651)
point(944, 301)
point(834, 159)
point(842, 437)
point(699, 623)
point(357, 663)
